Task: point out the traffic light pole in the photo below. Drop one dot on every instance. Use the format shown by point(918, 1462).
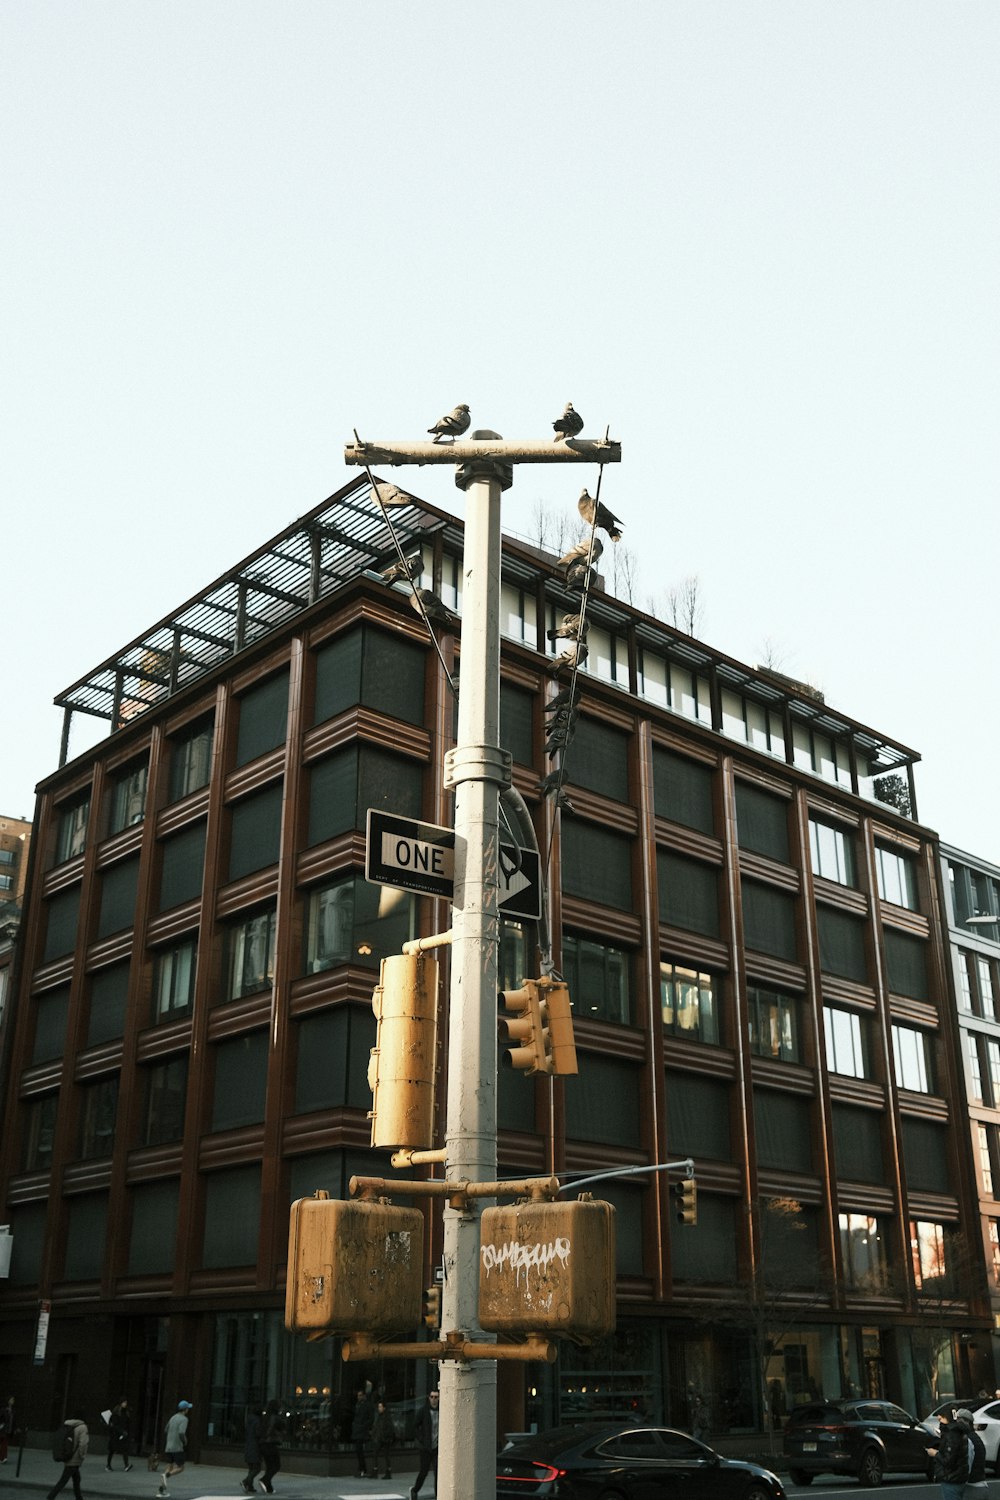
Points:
point(476, 768)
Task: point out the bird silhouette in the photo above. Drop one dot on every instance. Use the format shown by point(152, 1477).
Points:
point(579, 578)
point(433, 608)
point(562, 699)
point(391, 494)
point(410, 567)
point(568, 425)
point(575, 656)
point(551, 786)
point(573, 628)
point(453, 425)
point(581, 552)
point(596, 513)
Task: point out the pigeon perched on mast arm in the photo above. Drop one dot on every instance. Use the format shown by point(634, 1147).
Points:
point(568, 425)
point(596, 513)
point(452, 425)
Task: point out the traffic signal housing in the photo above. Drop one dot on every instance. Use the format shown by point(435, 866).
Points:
point(432, 1308)
point(548, 1268)
point(402, 1069)
point(353, 1266)
point(686, 1192)
point(557, 1019)
point(524, 1025)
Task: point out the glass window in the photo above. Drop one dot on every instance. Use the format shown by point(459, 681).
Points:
point(857, 1141)
point(518, 613)
point(769, 920)
point(250, 948)
point(596, 864)
point(343, 786)
point(513, 955)
point(174, 981)
point(682, 790)
point(51, 1013)
point(863, 1253)
point(986, 988)
point(333, 1050)
point(774, 1024)
point(912, 1053)
point(975, 1069)
point(166, 1095)
point(842, 944)
point(906, 963)
point(925, 1156)
point(832, 851)
point(598, 759)
point(240, 1081)
point(118, 891)
point(653, 677)
point(598, 976)
point(128, 798)
point(993, 1250)
point(689, 694)
point(783, 1131)
point(99, 1111)
point(87, 1237)
point(368, 666)
point(108, 998)
point(688, 893)
point(263, 713)
point(602, 1104)
point(762, 822)
point(897, 877)
point(191, 760)
point(39, 1133)
point(232, 1217)
point(697, 1116)
point(964, 963)
point(352, 922)
point(846, 1042)
point(985, 1161)
point(688, 1003)
point(62, 912)
point(183, 867)
point(706, 1251)
point(733, 717)
point(71, 835)
point(152, 1246)
point(993, 1063)
point(516, 722)
point(929, 1258)
point(255, 832)
point(6, 882)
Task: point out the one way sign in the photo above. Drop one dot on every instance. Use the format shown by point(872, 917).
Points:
point(421, 857)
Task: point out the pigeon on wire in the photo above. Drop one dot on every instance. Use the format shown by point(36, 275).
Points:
point(579, 578)
point(391, 494)
point(561, 700)
point(573, 656)
point(568, 425)
point(397, 572)
point(596, 513)
point(573, 628)
point(581, 552)
point(452, 425)
point(433, 608)
point(550, 786)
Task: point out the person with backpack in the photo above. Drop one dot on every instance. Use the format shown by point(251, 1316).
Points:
point(119, 1429)
point(69, 1448)
point(271, 1434)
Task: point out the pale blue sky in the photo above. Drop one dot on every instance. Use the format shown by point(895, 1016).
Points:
point(760, 240)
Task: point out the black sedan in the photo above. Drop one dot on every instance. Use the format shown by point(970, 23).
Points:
point(609, 1461)
point(865, 1438)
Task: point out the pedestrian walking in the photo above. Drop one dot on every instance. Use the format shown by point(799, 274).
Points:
point(428, 1420)
point(175, 1445)
point(361, 1430)
point(251, 1448)
point(383, 1441)
point(976, 1487)
point(271, 1433)
point(7, 1422)
point(72, 1441)
point(119, 1435)
point(951, 1463)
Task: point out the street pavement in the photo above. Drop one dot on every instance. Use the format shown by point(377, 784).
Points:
point(39, 1472)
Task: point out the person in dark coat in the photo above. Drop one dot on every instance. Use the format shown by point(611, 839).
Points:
point(251, 1448)
point(976, 1484)
point(427, 1442)
point(119, 1432)
point(951, 1465)
point(271, 1433)
point(361, 1430)
point(71, 1468)
point(7, 1425)
point(383, 1441)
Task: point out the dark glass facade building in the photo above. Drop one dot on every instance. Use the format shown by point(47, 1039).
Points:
point(753, 939)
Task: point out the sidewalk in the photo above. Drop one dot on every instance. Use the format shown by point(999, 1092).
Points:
point(39, 1472)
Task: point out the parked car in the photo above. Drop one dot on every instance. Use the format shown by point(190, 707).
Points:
point(612, 1461)
point(865, 1438)
point(986, 1415)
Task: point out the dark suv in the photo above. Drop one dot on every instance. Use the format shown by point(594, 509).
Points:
point(865, 1438)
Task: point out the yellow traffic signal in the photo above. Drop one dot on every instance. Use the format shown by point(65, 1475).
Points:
point(525, 1025)
point(402, 1069)
point(687, 1200)
point(432, 1307)
point(558, 1018)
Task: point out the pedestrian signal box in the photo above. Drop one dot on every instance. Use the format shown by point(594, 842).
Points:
point(402, 1069)
point(548, 1268)
point(354, 1267)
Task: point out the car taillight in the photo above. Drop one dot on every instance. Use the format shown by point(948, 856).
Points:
point(544, 1474)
